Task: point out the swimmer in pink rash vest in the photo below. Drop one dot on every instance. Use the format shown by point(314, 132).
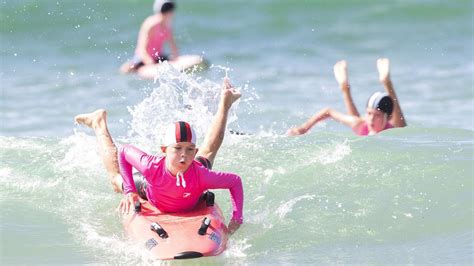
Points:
point(383, 109)
point(175, 181)
point(154, 33)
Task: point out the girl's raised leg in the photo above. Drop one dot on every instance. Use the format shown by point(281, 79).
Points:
point(97, 120)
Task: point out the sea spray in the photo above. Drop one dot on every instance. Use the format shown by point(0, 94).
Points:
point(178, 96)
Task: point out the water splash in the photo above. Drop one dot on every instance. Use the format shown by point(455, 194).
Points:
point(179, 96)
point(287, 207)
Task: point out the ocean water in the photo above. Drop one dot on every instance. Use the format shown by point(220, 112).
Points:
point(404, 196)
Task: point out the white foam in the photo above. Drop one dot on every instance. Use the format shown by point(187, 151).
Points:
point(287, 207)
point(334, 154)
point(237, 248)
point(81, 155)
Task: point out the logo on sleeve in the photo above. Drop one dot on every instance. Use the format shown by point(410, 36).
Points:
point(186, 194)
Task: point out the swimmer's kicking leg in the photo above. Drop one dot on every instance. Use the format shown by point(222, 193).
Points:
point(215, 135)
point(383, 66)
point(342, 78)
point(98, 122)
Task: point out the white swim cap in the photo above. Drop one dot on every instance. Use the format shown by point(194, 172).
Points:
point(179, 132)
point(381, 101)
point(163, 6)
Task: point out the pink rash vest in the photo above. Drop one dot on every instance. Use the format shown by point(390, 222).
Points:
point(364, 129)
point(157, 37)
point(168, 194)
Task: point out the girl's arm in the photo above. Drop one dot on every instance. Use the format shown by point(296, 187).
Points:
point(348, 120)
point(397, 119)
point(143, 42)
point(232, 182)
point(129, 157)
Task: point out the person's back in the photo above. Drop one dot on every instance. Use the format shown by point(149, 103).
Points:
point(155, 31)
point(158, 35)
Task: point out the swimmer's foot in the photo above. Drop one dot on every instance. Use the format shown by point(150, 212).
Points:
point(92, 120)
point(229, 94)
point(127, 68)
point(340, 72)
point(383, 66)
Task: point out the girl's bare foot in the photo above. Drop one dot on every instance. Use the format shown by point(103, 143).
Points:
point(229, 94)
point(126, 68)
point(383, 66)
point(91, 120)
point(340, 72)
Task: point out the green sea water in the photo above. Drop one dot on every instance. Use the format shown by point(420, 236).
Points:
point(404, 196)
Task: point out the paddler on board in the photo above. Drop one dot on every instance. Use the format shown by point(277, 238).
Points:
point(175, 181)
point(154, 33)
point(382, 110)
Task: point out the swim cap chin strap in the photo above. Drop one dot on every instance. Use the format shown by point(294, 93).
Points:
point(183, 182)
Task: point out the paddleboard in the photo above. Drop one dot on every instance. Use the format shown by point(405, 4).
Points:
point(197, 233)
point(183, 63)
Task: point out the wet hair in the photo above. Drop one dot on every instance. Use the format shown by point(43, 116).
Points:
point(381, 101)
point(167, 7)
